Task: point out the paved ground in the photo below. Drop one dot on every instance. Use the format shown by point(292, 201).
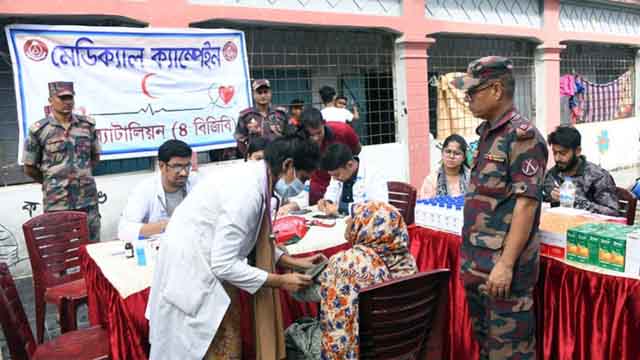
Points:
point(52, 329)
point(624, 178)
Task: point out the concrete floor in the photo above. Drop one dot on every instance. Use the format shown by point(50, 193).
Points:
point(52, 328)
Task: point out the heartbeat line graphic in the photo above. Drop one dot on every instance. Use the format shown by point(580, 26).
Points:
point(148, 109)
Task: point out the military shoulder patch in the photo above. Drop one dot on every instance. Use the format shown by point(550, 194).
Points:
point(38, 125)
point(530, 167)
point(525, 131)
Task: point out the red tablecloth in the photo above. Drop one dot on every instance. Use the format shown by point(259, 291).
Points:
point(580, 314)
point(436, 250)
point(129, 329)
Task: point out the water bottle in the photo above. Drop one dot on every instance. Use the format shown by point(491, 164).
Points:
point(140, 251)
point(567, 193)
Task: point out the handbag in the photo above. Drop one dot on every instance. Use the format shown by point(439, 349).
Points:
point(289, 227)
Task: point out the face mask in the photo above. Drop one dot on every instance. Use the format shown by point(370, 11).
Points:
point(285, 191)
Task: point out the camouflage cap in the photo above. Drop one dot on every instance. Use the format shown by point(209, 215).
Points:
point(60, 88)
point(481, 70)
point(260, 83)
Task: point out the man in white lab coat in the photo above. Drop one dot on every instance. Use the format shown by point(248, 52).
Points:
point(152, 202)
point(209, 238)
point(351, 181)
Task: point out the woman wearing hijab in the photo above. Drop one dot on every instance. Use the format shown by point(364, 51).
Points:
point(379, 253)
point(452, 177)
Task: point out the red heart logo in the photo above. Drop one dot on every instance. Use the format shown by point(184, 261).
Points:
point(226, 93)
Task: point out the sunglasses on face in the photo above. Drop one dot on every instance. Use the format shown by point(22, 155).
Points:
point(471, 92)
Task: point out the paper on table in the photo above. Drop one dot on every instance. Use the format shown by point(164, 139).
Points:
point(320, 238)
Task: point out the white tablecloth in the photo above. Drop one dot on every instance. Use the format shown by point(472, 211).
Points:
point(320, 238)
point(123, 274)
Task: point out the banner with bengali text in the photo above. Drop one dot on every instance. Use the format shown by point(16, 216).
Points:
point(142, 86)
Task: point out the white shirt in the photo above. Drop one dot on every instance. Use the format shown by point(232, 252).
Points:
point(147, 205)
point(207, 242)
point(337, 114)
point(370, 185)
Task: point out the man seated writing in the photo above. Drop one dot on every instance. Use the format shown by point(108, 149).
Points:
point(351, 182)
point(595, 188)
point(153, 201)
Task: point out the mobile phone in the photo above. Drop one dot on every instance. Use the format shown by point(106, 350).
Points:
point(316, 269)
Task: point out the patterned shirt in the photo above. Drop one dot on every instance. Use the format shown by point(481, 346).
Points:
point(270, 125)
point(64, 156)
point(595, 188)
point(510, 162)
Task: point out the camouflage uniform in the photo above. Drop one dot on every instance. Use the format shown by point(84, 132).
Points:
point(272, 125)
point(509, 163)
point(595, 188)
point(64, 158)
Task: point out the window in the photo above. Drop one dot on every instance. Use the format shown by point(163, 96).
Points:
point(448, 113)
point(598, 81)
point(357, 64)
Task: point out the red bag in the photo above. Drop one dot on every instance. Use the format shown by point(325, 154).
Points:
point(285, 228)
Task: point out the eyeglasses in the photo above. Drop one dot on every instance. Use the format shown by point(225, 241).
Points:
point(452, 153)
point(468, 96)
point(178, 168)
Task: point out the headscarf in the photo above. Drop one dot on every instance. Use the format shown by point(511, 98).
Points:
point(380, 226)
point(379, 254)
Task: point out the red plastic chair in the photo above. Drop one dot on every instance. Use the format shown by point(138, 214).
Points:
point(404, 318)
point(53, 240)
point(92, 343)
point(403, 197)
point(627, 204)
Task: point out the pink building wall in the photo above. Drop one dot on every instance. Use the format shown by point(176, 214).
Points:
point(412, 25)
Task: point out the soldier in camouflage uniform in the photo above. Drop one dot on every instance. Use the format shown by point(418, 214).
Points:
point(499, 253)
point(595, 187)
point(60, 153)
point(261, 120)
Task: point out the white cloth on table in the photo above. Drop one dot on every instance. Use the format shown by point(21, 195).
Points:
point(122, 273)
point(147, 205)
point(207, 242)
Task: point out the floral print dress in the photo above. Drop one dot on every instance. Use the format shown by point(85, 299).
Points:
point(379, 253)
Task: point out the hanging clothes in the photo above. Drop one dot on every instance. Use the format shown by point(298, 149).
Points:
point(454, 116)
point(609, 101)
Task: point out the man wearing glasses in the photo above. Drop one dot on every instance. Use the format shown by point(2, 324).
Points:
point(153, 201)
point(499, 253)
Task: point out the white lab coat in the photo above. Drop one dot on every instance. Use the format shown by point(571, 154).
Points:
point(146, 204)
point(370, 185)
point(208, 240)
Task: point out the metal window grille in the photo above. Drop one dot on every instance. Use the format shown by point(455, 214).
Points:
point(358, 64)
point(607, 76)
point(448, 114)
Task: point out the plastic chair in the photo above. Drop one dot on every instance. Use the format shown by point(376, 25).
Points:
point(92, 343)
point(404, 318)
point(627, 204)
point(53, 240)
point(403, 197)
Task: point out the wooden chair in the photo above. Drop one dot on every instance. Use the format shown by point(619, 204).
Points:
point(92, 343)
point(403, 197)
point(404, 318)
point(627, 204)
point(53, 240)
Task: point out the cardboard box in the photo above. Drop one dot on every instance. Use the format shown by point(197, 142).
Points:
point(632, 259)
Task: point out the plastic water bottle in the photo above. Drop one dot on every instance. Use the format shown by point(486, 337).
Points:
point(567, 193)
point(305, 194)
point(140, 251)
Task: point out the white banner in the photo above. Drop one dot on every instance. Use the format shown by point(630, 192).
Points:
point(142, 86)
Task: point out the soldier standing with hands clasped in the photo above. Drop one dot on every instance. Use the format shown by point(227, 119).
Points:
point(60, 153)
point(500, 252)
